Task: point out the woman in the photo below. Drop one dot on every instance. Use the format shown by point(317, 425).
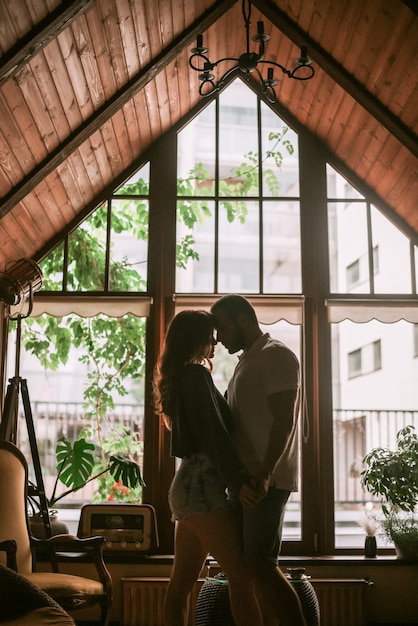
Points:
point(198, 417)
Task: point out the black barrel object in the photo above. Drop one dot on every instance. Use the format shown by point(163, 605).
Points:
point(213, 608)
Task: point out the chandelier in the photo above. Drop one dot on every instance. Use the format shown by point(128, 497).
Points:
point(248, 62)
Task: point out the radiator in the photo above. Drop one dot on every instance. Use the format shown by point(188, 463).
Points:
point(341, 601)
point(143, 599)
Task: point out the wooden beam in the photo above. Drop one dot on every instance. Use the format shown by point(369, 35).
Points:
point(40, 36)
point(412, 4)
point(112, 106)
point(337, 72)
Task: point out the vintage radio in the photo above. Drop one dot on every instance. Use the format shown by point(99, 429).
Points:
point(127, 528)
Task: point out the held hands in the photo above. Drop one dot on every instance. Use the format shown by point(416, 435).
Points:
point(253, 491)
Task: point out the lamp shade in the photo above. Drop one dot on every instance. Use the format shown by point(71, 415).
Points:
point(17, 283)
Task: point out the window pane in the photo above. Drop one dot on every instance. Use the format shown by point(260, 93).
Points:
point(354, 363)
point(54, 262)
point(239, 259)
point(129, 245)
point(281, 247)
point(415, 340)
point(281, 170)
point(86, 243)
point(137, 184)
point(196, 147)
point(60, 404)
point(351, 261)
point(393, 274)
point(377, 355)
point(348, 247)
point(339, 187)
point(353, 274)
point(195, 242)
point(238, 131)
point(368, 409)
point(416, 268)
point(129, 234)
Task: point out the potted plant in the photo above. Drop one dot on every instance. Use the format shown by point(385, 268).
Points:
point(78, 464)
point(393, 475)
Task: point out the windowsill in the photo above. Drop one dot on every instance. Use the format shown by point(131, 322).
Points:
point(332, 560)
point(340, 559)
point(71, 518)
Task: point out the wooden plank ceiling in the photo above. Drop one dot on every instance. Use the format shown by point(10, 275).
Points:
point(86, 87)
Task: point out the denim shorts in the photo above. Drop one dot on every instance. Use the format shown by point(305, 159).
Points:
point(196, 488)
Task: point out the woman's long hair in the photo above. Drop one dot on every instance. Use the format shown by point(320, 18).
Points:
point(187, 340)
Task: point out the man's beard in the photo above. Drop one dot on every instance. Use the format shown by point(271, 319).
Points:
point(237, 343)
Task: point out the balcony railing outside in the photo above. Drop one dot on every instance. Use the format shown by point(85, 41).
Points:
point(355, 433)
point(54, 420)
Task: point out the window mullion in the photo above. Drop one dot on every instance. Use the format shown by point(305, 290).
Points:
point(413, 270)
point(216, 207)
point(317, 458)
point(260, 198)
point(108, 245)
point(370, 246)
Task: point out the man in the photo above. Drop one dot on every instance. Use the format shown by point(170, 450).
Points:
point(263, 395)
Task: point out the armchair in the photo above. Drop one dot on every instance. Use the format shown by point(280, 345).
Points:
point(69, 591)
point(23, 604)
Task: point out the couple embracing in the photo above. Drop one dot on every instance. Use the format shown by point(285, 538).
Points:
point(238, 460)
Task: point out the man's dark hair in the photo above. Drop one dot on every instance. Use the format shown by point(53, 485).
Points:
point(234, 305)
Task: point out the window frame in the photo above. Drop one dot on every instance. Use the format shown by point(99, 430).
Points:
point(317, 450)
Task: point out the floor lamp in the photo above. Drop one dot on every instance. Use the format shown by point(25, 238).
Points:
point(17, 286)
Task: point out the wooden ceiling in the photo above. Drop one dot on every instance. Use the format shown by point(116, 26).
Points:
point(87, 86)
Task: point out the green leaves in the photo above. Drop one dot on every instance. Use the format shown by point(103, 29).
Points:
point(74, 462)
point(140, 188)
point(191, 212)
point(393, 475)
point(48, 341)
point(126, 471)
point(185, 251)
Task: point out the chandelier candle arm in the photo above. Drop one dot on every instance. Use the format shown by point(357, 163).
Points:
point(247, 62)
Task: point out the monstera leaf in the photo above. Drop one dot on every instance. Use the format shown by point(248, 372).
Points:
point(75, 462)
point(127, 471)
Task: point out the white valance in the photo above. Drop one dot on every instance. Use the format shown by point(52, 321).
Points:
point(364, 310)
point(269, 309)
point(86, 306)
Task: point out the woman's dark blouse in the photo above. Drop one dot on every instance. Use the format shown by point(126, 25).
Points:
point(201, 423)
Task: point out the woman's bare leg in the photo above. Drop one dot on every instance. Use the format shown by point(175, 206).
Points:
point(221, 532)
point(189, 558)
point(278, 599)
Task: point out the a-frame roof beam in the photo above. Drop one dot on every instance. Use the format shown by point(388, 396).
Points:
point(331, 67)
point(39, 37)
point(112, 106)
